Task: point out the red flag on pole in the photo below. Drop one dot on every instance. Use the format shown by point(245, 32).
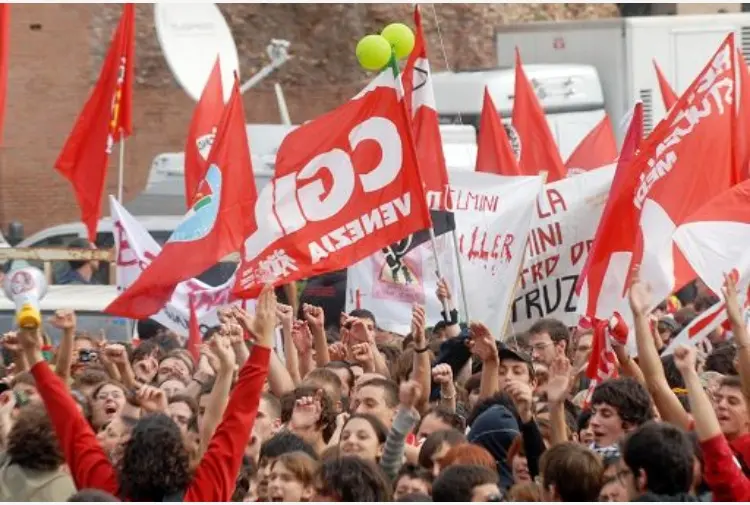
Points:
point(598, 148)
point(420, 103)
point(202, 132)
point(4, 37)
point(538, 147)
point(667, 93)
point(106, 117)
point(216, 225)
point(644, 209)
point(494, 154)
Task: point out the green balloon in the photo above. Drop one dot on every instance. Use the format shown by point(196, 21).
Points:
point(400, 37)
point(373, 52)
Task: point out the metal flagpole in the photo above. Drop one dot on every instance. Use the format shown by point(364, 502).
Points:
point(433, 240)
point(461, 275)
point(121, 168)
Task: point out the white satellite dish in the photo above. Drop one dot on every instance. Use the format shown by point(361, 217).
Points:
point(191, 35)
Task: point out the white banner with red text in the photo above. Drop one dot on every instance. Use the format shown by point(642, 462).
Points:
point(493, 217)
point(566, 216)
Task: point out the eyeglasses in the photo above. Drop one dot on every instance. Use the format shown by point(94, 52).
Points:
point(542, 346)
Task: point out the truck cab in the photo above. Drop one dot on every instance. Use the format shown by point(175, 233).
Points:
point(570, 95)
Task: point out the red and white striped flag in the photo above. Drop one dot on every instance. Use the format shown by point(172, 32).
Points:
point(700, 328)
point(603, 360)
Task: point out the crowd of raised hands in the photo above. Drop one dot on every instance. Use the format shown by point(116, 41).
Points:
point(278, 404)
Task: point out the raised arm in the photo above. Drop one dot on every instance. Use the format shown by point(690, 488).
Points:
point(483, 345)
point(216, 475)
point(217, 399)
point(315, 318)
point(739, 330)
point(665, 399)
point(421, 361)
point(65, 321)
point(88, 464)
point(720, 471)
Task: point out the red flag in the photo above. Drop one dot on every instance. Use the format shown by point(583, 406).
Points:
point(599, 256)
point(194, 331)
point(220, 219)
point(597, 149)
point(202, 132)
point(494, 154)
point(665, 183)
point(106, 116)
point(420, 102)
point(347, 184)
point(667, 93)
point(742, 130)
point(538, 148)
point(4, 38)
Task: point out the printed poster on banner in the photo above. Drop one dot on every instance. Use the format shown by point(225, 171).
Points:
point(566, 216)
point(493, 216)
point(390, 294)
point(135, 248)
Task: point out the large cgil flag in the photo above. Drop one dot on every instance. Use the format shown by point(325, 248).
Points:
point(347, 184)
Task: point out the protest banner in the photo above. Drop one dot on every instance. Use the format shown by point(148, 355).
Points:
point(493, 216)
point(566, 216)
point(371, 284)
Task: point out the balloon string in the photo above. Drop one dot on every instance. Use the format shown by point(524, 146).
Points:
point(461, 122)
point(445, 54)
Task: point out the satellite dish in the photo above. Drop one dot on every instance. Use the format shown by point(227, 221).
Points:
point(191, 35)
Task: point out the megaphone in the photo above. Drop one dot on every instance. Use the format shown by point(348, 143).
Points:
point(26, 286)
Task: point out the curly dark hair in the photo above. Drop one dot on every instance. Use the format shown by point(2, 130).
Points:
point(628, 397)
point(155, 462)
point(351, 479)
point(32, 443)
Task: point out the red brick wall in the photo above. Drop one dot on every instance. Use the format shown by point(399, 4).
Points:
point(53, 68)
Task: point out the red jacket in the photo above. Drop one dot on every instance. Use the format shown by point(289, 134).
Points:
point(722, 473)
point(215, 477)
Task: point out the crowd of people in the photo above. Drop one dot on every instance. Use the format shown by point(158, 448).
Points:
point(344, 411)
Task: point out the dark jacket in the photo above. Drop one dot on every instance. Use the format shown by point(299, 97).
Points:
point(495, 429)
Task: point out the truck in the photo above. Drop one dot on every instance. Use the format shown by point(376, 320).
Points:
point(623, 51)
point(570, 95)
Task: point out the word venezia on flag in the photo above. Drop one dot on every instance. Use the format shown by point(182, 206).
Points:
point(358, 190)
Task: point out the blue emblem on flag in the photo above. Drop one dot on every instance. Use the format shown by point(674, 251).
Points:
point(200, 219)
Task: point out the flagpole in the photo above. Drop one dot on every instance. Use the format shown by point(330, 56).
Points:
point(461, 275)
point(121, 167)
point(393, 63)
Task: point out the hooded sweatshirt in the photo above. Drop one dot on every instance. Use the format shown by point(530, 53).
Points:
point(23, 485)
point(495, 429)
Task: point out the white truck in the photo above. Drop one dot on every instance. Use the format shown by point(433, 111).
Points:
point(623, 50)
point(570, 95)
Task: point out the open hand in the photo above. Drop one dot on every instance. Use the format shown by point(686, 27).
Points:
point(639, 294)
